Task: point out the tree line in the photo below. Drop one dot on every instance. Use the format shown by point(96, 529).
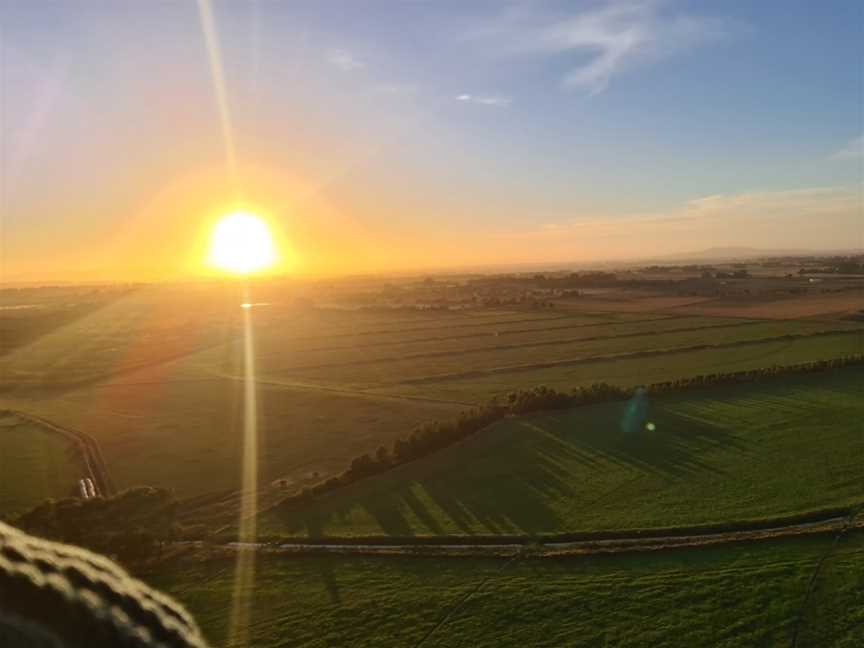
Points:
point(431, 437)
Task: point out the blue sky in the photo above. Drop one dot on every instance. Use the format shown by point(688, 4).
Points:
point(402, 133)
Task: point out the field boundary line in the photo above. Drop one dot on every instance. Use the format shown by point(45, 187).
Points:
point(550, 548)
point(442, 325)
point(463, 336)
point(524, 345)
point(477, 373)
point(464, 600)
point(94, 461)
point(811, 585)
point(351, 392)
point(299, 386)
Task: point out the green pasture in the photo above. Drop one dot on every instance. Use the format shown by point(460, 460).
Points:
point(728, 597)
point(399, 366)
point(489, 338)
point(155, 376)
point(724, 454)
point(631, 371)
point(35, 464)
point(187, 435)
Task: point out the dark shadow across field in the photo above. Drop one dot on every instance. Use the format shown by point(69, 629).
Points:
point(20, 328)
point(503, 482)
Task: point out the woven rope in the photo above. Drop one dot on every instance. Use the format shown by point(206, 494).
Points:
point(57, 595)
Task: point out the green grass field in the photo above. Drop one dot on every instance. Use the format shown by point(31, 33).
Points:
point(187, 436)
point(154, 375)
point(491, 336)
point(175, 422)
point(35, 465)
point(732, 596)
point(158, 325)
point(717, 455)
point(402, 364)
point(637, 370)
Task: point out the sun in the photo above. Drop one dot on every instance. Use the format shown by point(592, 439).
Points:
point(241, 243)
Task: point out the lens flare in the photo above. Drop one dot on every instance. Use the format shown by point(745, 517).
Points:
point(247, 533)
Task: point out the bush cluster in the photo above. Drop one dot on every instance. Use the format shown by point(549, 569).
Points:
point(130, 525)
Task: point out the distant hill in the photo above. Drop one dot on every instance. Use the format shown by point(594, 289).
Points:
point(729, 253)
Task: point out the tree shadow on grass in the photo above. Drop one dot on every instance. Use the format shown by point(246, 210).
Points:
point(518, 504)
point(445, 504)
point(29, 326)
point(421, 512)
point(674, 445)
point(328, 576)
point(513, 479)
point(389, 516)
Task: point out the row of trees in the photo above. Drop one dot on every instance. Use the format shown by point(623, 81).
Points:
point(440, 434)
point(753, 375)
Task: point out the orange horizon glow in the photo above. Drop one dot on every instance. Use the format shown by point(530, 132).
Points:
point(352, 159)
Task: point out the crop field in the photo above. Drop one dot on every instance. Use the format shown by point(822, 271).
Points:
point(403, 365)
point(35, 465)
point(188, 435)
point(479, 386)
point(779, 307)
point(732, 596)
point(282, 352)
point(495, 339)
point(839, 303)
point(54, 346)
point(22, 323)
point(155, 375)
point(718, 455)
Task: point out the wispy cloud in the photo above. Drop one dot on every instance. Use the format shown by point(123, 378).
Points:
point(854, 150)
point(484, 100)
point(816, 217)
point(603, 41)
point(344, 60)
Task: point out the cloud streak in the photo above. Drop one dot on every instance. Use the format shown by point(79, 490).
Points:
point(605, 41)
point(344, 60)
point(854, 150)
point(817, 217)
point(484, 100)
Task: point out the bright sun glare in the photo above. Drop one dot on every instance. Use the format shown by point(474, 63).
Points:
point(242, 243)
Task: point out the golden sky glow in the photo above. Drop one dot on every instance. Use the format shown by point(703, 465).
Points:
point(364, 150)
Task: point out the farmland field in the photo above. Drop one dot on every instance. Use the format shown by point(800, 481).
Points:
point(35, 465)
point(155, 374)
point(637, 370)
point(731, 453)
point(156, 377)
point(187, 435)
point(154, 327)
point(733, 596)
point(463, 363)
